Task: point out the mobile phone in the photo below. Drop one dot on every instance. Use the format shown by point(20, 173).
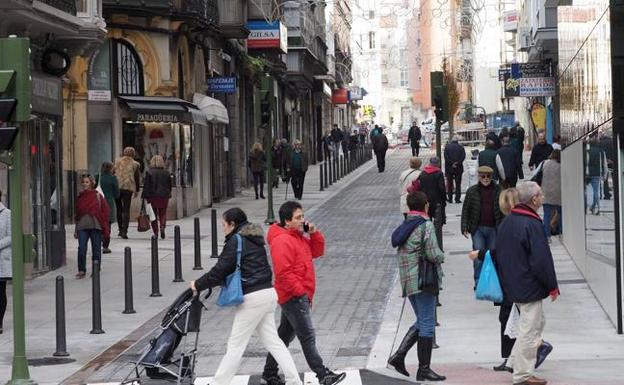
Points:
point(306, 227)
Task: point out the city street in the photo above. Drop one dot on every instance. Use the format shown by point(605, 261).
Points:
point(358, 311)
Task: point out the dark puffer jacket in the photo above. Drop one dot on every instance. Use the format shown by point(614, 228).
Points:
point(157, 184)
point(471, 210)
point(255, 269)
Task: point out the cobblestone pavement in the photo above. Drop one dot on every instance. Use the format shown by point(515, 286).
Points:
point(354, 280)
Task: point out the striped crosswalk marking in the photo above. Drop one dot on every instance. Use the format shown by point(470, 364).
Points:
point(353, 378)
point(238, 380)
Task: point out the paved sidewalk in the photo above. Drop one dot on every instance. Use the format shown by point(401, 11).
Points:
point(83, 346)
point(587, 349)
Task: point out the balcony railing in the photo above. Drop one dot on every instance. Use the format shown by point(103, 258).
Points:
point(206, 11)
point(68, 6)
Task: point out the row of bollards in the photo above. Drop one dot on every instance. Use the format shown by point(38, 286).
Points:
point(96, 298)
point(335, 168)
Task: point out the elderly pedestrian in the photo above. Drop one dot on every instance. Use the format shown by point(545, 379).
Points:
point(127, 171)
point(405, 180)
point(509, 164)
point(257, 312)
point(157, 191)
point(481, 214)
point(6, 257)
point(277, 161)
point(527, 274)
point(110, 187)
point(417, 246)
point(487, 157)
point(91, 223)
point(380, 146)
point(257, 166)
point(541, 151)
point(551, 185)
point(454, 156)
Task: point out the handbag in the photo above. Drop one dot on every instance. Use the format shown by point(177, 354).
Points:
point(232, 291)
point(488, 286)
point(143, 220)
point(427, 273)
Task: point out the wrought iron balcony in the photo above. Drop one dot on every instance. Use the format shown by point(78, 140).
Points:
point(205, 11)
point(68, 6)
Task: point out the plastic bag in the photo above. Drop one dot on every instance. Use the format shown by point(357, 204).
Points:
point(150, 211)
point(488, 287)
point(511, 329)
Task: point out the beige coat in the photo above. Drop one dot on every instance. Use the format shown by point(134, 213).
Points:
point(405, 180)
point(127, 173)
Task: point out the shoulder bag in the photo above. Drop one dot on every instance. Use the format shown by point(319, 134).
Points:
point(232, 291)
point(427, 271)
point(143, 221)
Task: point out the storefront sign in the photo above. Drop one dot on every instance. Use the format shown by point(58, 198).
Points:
point(47, 94)
point(538, 116)
point(159, 117)
point(537, 87)
point(267, 35)
point(529, 70)
point(100, 95)
point(501, 74)
point(340, 96)
point(355, 93)
point(510, 21)
point(98, 74)
point(222, 84)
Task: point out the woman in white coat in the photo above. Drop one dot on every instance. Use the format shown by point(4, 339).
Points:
point(6, 272)
point(405, 180)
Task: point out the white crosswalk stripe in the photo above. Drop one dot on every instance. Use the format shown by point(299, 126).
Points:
point(238, 380)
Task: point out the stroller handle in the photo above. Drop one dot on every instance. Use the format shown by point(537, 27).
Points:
point(208, 294)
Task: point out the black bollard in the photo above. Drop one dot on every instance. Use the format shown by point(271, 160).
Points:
point(213, 230)
point(335, 166)
point(96, 300)
point(325, 179)
point(341, 166)
point(331, 174)
point(177, 255)
point(61, 340)
point(129, 301)
point(321, 177)
point(197, 244)
point(155, 273)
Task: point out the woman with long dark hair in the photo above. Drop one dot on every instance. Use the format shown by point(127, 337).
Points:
point(257, 312)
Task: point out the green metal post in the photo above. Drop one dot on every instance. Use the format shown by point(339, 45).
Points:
point(15, 55)
point(267, 88)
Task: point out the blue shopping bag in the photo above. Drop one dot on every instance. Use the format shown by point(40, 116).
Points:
point(232, 291)
point(488, 287)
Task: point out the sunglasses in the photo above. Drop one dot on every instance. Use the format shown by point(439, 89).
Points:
point(485, 176)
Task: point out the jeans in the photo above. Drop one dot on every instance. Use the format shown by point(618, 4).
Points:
point(258, 182)
point(484, 238)
point(297, 179)
point(453, 183)
point(595, 186)
point(123, 210)
point(415, 148)
point(335, 149)
point(424, 305)
point(548, 214)
point(96, 247)
point(296, 321)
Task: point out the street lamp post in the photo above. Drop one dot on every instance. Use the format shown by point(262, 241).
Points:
point(267, 119)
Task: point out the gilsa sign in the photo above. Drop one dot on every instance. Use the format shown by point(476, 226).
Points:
point(222, 84)
point(264, 35)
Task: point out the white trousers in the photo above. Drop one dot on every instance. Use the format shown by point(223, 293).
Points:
point(530, 329)
point(256, 313)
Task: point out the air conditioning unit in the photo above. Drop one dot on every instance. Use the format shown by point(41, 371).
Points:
point(525, 41)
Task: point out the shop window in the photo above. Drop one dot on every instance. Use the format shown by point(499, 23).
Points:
point(128, 69)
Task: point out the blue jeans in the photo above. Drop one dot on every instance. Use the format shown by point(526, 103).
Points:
point(424, 305)
point(484, 238)
point(297, 321)
point(548, 214)
point(96, 246)
point(595, 185)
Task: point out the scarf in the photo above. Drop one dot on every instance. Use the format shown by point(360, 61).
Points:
point(403, 232)
point(90, 202)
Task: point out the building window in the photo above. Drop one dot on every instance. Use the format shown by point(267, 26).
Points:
point(403, 78)
point(371, 14)
point(371, 40)
point(128, 70)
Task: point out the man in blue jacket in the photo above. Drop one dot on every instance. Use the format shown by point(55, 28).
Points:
point(527, 274)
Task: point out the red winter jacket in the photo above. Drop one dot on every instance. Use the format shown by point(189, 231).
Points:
point(292, 255)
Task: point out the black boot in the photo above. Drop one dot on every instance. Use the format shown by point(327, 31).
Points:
point(397, 360)
point(425, 373)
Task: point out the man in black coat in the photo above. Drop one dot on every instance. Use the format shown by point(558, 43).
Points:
point(432, 183)
point(541, 151)
point(454, 155)
point(414, 137)
point(509, 164)
point(527, 274)
point(336, 139)
point(380, 146)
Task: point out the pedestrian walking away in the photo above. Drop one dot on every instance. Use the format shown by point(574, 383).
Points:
point(277, 162)
point(418, 251)
point(596, 170)
point(157, 191)
point(551, 185)
point(432, 184)
point(509, 164)
point(326, 142)
point(91, 223)
point(294, 244)
point(487, 157)
point(297, 167)
point(257, 312)
point(541, 151)
point(454, 156)
point(6, 257)
point(414, 136)
point(508, 199)
point(481, 215)
point(527, 274)
point(406, 179)
point(109, 186)
point(336, 139)
point(127, 171)
point(257, 166)
point(380, 146)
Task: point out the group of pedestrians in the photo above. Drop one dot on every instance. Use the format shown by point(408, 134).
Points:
point(336, 139)
point(294, 243)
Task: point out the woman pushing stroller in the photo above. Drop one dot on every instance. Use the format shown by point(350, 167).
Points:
point(257, 312)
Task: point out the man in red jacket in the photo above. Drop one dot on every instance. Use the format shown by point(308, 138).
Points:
point(292, 252)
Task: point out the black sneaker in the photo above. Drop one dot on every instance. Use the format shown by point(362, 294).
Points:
point(272, 380)
point(332, 378)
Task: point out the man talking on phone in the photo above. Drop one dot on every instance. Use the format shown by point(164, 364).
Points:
point(294, 243)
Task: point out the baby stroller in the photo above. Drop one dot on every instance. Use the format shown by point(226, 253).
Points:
point(158, 361)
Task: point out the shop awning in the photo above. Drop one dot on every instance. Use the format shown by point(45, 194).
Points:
point(158, 109)
point(215, 110)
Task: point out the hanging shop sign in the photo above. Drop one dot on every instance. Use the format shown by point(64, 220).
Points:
point(98, 74)
point(538, 116)
point(340, 96)
point(47, 94)
point(263, 35)
point(355, 93)
point(537, 87)
point(222, 84)
point(528, 80)
point(510, 21)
